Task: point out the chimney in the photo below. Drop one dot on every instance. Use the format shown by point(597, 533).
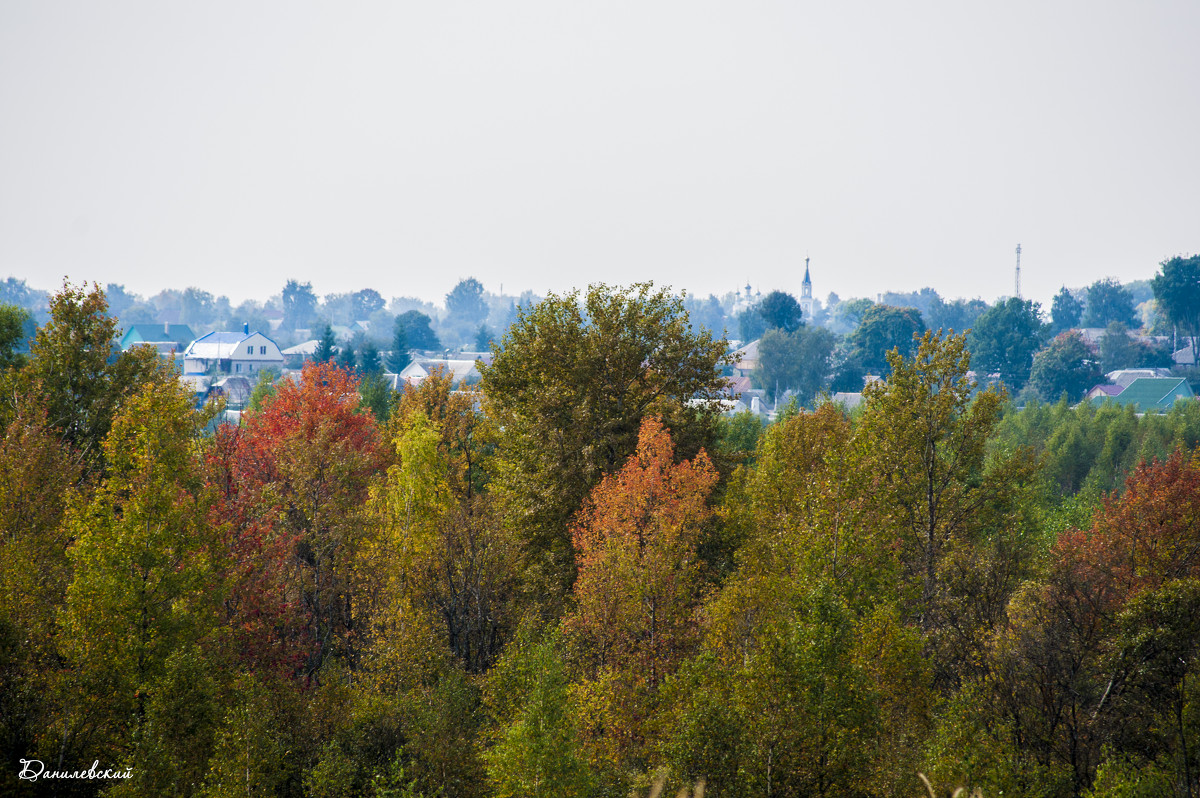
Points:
point(246, 327)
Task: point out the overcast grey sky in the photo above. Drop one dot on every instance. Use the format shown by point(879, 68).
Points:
point(545, 145)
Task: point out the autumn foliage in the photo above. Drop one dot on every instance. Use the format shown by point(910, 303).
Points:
point(561, 588)
point(639, 578)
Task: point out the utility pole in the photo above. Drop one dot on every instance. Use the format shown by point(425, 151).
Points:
point(1017, 281)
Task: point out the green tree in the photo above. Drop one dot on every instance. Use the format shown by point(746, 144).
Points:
point(465, 302)
point(483, 338)
point(751, 324)
point(956, 316)
point(797, 360)
point(299, 305)
point(37, 475)
point(1177, 293)
point(925, 435)
point(196, 307)
point(416, 327)
point(781, 311)
point(537, 751)
point(882, 329)
point(398, 358)
point(264, 389)
point(1066, 311)
point(1065, 366)
point(141, 601)
point(366, 302)
point(1004, 340)
point(568, 390)
point(369, 361)
point(346, 359)
point(80, 378)
point(376, 395)
point(739, 434)
point(12, 335)
point(1109, 301)
point(326, 346)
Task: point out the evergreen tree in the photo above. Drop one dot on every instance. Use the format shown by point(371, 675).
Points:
point(483, 338)
point(346, 359)
point(369, 361)
point(326, 346)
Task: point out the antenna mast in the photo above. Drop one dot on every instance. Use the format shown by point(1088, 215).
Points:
point(1017, 281)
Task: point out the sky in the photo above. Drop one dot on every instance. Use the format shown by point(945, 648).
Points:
point(546, 145)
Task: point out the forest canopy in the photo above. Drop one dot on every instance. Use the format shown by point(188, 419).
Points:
point(580, 578)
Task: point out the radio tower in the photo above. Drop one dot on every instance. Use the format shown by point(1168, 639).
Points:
point(1017, 280)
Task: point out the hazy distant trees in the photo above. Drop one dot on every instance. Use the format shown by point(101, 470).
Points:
point(798, 361)
point(299, 305)
point(751, 324)
point(366, 302)
point(845, 316)
point(418, 331)
point(465, 303)
point(958, 315)
point(251, 314)
point(781, 311)
point(927, 300)
point(345, 357)
point(1109, 301)
point(196, 307)
point(1066, 312)
point(882, 329)
point(706, 313)
point(398, 358)
point(1120, 350)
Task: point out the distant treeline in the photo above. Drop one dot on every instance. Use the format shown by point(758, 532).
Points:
point(1037, 353)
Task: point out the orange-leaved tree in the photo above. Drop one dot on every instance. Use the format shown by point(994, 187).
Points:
point(639, 584)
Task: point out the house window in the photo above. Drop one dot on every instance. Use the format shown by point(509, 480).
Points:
point(250, 350)
point(237, 367)
point(262, 350)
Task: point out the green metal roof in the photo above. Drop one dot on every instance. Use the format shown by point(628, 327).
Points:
point(1153, 394)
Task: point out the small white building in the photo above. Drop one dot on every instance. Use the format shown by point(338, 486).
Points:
point(417, 371)
point(232, 353)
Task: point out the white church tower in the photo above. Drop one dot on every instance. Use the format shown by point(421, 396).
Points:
point(806, 298)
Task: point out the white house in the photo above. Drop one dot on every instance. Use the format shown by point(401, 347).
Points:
point(232, 353)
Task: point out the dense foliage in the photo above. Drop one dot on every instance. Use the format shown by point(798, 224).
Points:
point(581, 580)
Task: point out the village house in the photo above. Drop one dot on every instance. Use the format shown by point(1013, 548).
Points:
point(232, 353)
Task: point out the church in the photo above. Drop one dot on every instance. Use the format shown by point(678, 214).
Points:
point(807, 303)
